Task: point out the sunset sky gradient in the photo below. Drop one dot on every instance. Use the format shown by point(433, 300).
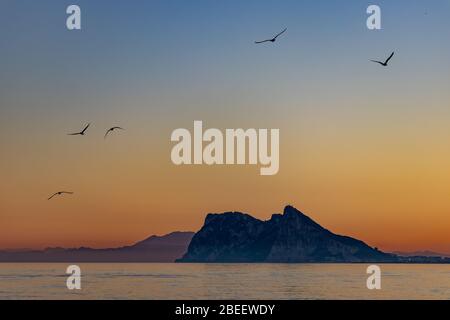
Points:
point(364, 150)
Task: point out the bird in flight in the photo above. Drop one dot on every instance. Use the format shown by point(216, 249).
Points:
point(81, 133)
point(112, 129)
point(59, 193)
point(273, 39)
point(384, 64)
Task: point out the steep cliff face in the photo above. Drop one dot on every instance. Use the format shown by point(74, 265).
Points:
point(287, 237)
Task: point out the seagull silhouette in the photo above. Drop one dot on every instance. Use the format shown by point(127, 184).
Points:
point(384, 64)
point(81, 133)
point(112, 129)
point(273, 39)
point(59, 193)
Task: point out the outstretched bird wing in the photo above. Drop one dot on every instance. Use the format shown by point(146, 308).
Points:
point(378, 62)
point(113, 128)
point(262, 41)
point(85, 128)
point(108, 131)
point(59, 193)
point(390, 57)
point(280, 33)
point(53, 195)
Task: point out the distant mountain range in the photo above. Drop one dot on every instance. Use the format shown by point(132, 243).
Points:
point(165, 248)
point(291, 237)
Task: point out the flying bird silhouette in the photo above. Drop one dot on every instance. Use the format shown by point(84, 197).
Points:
point(59, 193)
point(111, 130)
point(384, 64)
point(81, 133)
point(273, 39)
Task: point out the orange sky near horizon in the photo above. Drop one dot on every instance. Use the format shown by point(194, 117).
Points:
point(364, 150)
point(376, 187)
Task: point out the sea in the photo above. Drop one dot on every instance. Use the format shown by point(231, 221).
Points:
point(223, 281)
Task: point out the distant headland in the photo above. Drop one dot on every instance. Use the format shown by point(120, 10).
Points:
point(165, 248)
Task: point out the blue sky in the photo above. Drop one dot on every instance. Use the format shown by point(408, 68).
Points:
point(355, 137)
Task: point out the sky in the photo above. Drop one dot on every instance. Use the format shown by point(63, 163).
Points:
point(364, 150)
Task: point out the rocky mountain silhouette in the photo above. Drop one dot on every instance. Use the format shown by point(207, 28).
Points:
point(289, 237)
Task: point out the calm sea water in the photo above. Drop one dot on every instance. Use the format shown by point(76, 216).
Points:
point(224, 281)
